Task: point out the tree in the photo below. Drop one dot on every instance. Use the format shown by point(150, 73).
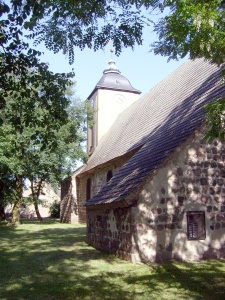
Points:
point(40, 140)
point(7, 188)
point(2, 210)
point(194, 28)
point(54, 166)
point(33, 114)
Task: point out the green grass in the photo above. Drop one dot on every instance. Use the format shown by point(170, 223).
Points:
point(52, 261)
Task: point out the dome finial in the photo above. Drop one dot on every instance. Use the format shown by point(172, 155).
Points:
point(112, 68)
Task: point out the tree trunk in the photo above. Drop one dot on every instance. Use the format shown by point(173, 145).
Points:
point(19, 194)
point(37, 211)
point(2, 212)
point(2, 209)
point(35, 196)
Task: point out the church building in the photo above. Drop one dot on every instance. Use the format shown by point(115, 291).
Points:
point(153, 188)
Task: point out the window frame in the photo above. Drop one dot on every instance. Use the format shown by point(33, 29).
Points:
point(109, 175)
point(194, 219)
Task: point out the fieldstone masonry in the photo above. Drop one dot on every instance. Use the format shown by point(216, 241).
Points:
point(155, 227)
point(192, 180)
point(111, 231)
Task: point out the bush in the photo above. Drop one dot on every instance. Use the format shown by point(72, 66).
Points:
point(55, 210)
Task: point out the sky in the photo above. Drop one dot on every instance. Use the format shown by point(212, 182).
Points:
point(140, 66)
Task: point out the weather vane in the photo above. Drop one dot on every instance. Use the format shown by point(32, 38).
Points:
point(111, 50)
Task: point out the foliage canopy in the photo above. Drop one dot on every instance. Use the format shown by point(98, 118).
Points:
point(41, 133)
point(194, 28)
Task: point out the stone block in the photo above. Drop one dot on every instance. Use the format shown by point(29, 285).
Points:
point(223, 173)
point(170, 226)
point(212, 217)
point(219, 217)
point(197, 172)
point(162, 201)
point(211, 191)
point(179, 172)
point(217, 226)
point(209, 208)
point(160, 227)
point(163, 191)
point(214, 150)
point(213, 165)
point(220, 181)
point(203, 181)
point(162, 218)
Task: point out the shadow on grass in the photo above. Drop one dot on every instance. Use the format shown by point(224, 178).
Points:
point(54, 262)
point(49, 263)
point(199, 280)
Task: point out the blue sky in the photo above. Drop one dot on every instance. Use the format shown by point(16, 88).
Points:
point(141, 67)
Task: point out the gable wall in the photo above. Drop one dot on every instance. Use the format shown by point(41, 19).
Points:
point(193, 180)
point(154, 228)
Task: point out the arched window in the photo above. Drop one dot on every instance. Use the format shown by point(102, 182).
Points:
point(88, 189)
point(109, 175)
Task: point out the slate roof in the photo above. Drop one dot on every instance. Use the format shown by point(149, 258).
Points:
point(116, 81)
point(158, 123)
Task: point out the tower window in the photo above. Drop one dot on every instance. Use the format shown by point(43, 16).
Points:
point(109, 175)
point(196, 225)
point(88, 189)
point(92, 102)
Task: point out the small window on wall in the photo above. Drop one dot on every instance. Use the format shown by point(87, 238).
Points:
point(88, 189)
point(196, 225)
point(109, 175)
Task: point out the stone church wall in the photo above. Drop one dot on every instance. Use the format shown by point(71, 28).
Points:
point(111, 231)
point(155, 228)
point(192, 180)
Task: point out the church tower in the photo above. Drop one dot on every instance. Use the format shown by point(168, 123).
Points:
point(112, 94)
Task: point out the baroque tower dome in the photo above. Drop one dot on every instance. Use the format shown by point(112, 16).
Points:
point(113, 80)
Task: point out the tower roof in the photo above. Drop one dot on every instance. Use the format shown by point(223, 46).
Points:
point(113, 80)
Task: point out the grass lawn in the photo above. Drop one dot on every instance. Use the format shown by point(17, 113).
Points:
point(52, 261)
